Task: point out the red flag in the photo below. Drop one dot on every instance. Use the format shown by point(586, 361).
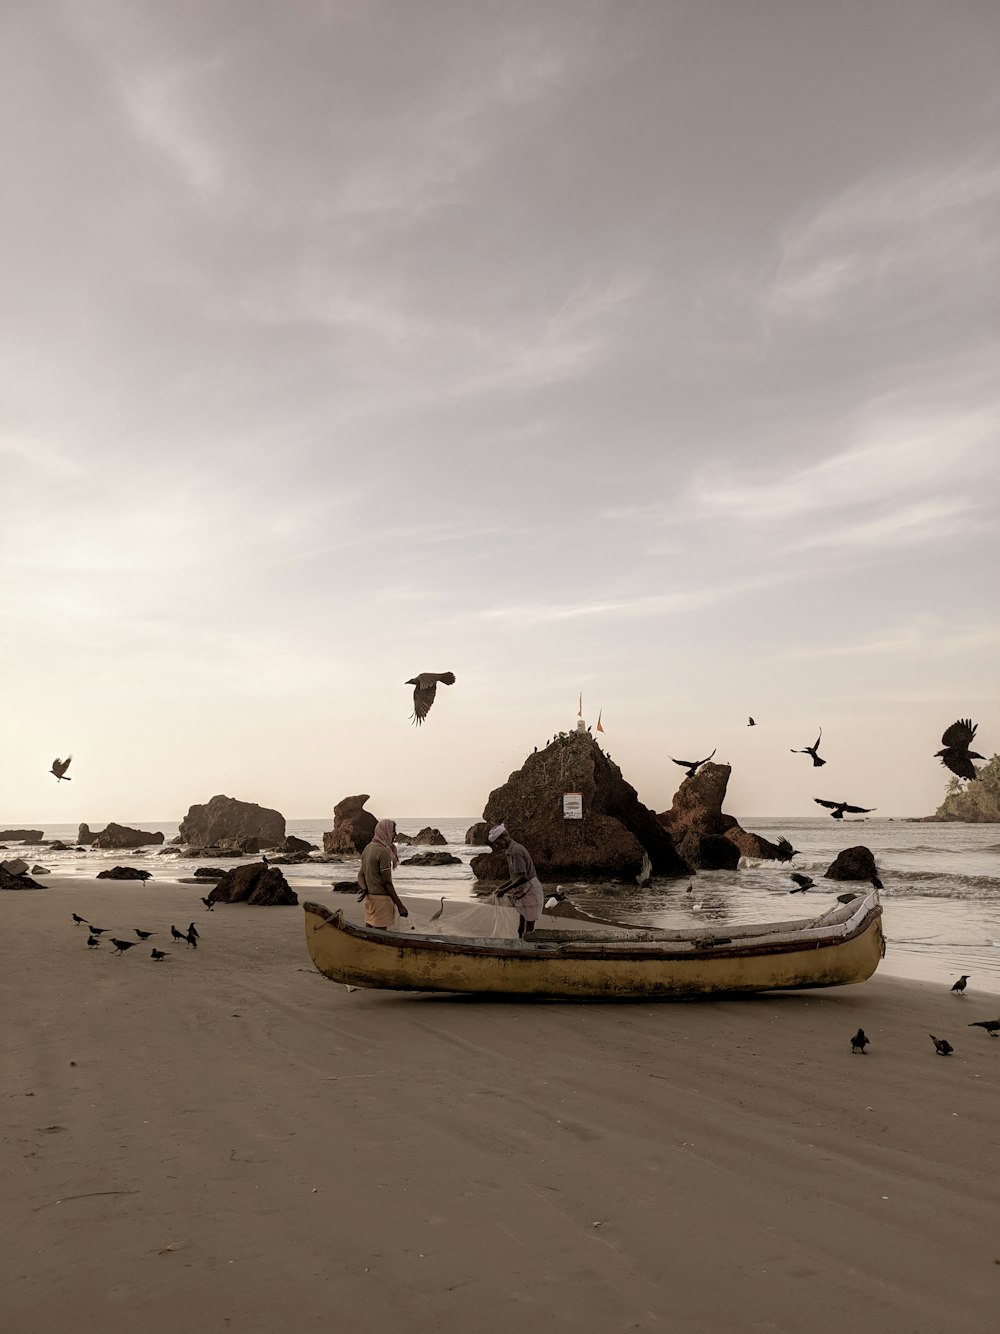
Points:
point(599, 728)
point(579, 711)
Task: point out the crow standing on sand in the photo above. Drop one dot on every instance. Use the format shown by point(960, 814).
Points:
point(692, 766)
point(143, 935)
point(837, 808)
point(99, 930)
point(812, 750)
point(92, 941)
point(424, 689)
point(959, 987)
point(122, 945)
point(209, 905)
point(59, 768)
point(992, 1026)
point(859, 1042)
point(177, 935)
point(941, 1045)
point(192, 935)
point(956, 755)
point(803, 883)
point(80, 921)
point(158, 955)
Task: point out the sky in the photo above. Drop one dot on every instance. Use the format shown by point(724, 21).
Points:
point(648, 350)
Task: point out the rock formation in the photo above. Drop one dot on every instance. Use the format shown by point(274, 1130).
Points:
point(124, 873)
point(610, 839)
point(856, 863)
point(697, 823)
point(256, 884)
point(430, 836)
point(83, 835)
point(226, 820)
point(22, 835)
point(353, 826)
point(346, 886)
point(210, 873)
point(475, 835)
point(16, 880)
point(120, 836)
point(57, 845)
point(40, 870)
point(432, 859)
point(293, 844)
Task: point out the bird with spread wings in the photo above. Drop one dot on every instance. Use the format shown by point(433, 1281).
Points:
point(424, 689)
point(59, 768)
point(692, 766)
point(838, 808)
point(956, 755)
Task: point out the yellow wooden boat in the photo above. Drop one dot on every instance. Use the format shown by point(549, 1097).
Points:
point(840, 947)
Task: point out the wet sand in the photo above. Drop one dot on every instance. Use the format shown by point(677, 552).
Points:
point(228, 1141)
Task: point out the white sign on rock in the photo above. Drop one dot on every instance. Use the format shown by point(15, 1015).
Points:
point(572, 805)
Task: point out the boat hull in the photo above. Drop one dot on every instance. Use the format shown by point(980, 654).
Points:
point(605, 970)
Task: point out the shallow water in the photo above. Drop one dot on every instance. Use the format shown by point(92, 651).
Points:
point(941, 884)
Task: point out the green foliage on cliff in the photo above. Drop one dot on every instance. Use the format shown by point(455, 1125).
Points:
point(976, 803)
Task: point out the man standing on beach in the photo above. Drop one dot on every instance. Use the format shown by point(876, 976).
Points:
point(524, 886)
point(375, 878)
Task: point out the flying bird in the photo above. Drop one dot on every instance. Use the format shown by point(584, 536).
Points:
point(941, 1045)
point(59, 768)
point(838, 808)
point(956, 755)
point(992, 1026)
point(143, 935)
point(435, 916)
point(751, 723)
point(80, 921)
point(692, 766)
point(785, 850)
point(812, 750)
point(959, 987)
point(122, 945)
point(209, 905)
point(424, 689)
point(158, 955)
point(859, 1042)
point(803, 882)
point(92, 941)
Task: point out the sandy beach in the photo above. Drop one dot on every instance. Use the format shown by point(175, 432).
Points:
point(227, 1140)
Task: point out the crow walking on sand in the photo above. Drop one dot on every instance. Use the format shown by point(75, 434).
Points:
point(143, 935)
point(992, 1026)
point(193, 931)
point(92, 941)
point(692, 766)
point(158, 955)
point(122, 945)
point(812, 750)
point(59, 768)
point(80, 921)
point(192, 936)
point(425, 686)
point(177, 935)
point(209, 905)
point(99, 930)
point(941, 1045)
point(956, 755)
point(837, 808)
point(859, 1042)
point(959, 987)
point(802, 882)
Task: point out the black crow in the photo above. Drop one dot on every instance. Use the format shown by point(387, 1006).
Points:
point(59, 768)
point(992, 1026)
point(210, 906)
point(956, 755)
point(425, 686)
point(859, 1042)
point(803, 882)
point(837, 808)
point(92, 941)
point(192, 939)
point(80, 921)
point(143, 935)
point(959, 987)
point(941, 1045)
point(751, 723)
point(99, 930)
point(122, 945)
point(692, 766)
point(177, 935)
point(158, 955)
point(193, 930)
point(812, 750)
point(785, 850)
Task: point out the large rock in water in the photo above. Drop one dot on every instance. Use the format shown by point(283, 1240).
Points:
point(430, 836)
point(8, 880)
point(432, 859)
point(22, 835)
point(226, 821)
point(257, 884)
point(353, 826)
point(83, 834)
point(120, 836)
point(475, 835)
point(696, 820)
point(124, 873)
point(856, 863)
point(607, 843)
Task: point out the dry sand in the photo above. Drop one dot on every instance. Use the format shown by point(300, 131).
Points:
point(228, 1141)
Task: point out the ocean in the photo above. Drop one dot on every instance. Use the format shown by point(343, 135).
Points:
point(941, 895)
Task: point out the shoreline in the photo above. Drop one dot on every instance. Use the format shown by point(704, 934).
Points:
point(227, 1140)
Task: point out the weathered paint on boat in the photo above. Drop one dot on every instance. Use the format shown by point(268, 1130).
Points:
point(602, 968)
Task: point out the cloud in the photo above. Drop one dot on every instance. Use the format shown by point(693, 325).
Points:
point(929, 520)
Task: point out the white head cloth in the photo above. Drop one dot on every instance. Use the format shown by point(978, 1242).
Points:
point(496, 831)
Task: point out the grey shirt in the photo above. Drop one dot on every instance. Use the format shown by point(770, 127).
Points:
point(519, 862)
point(376, 869)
